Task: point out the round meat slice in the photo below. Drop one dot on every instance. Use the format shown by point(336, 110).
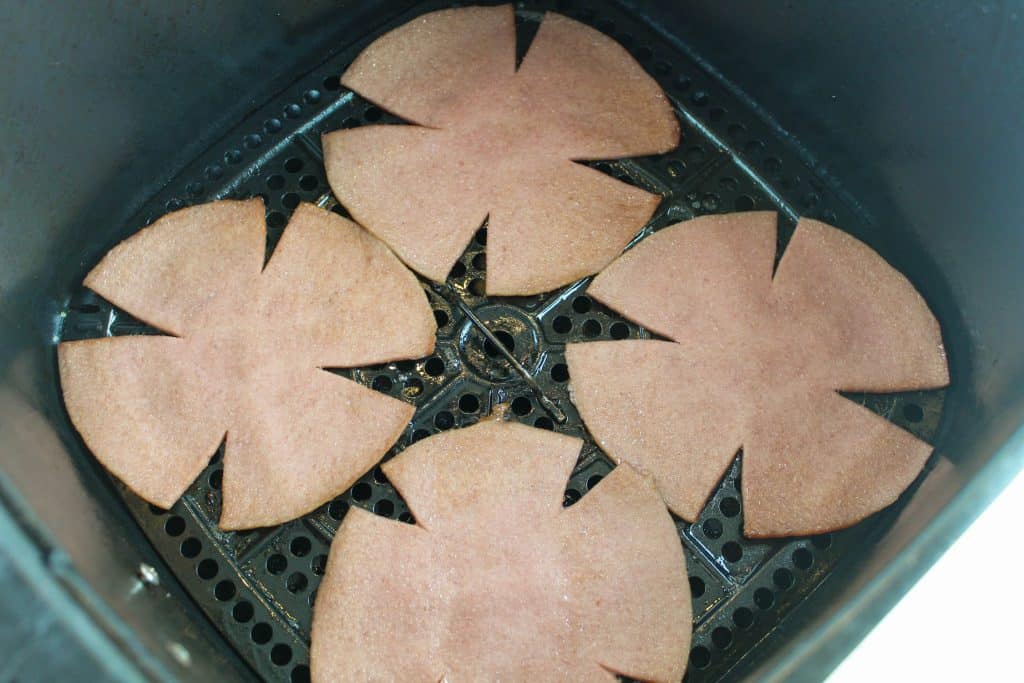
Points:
point(756, 362)
point(246, 362)
point(500, 143)
point(496, 580)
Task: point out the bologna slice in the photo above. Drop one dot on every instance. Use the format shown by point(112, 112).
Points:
point(493, 141)
point(756, 361)
point(246, 358)
point(496, 580)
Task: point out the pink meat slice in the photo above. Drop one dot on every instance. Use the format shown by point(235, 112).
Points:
point(500, 142)
point(427, 69)
point(755, 362)
point(247, 359)
point(557, 222)
point(142, 407)
point(412, 184)
point(497, 581)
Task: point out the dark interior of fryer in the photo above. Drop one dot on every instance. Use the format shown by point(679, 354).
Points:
point(896, 124)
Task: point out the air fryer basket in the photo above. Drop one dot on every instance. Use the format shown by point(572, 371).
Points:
point(257, 588)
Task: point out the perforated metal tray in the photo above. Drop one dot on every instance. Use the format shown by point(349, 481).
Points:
point(258, 587)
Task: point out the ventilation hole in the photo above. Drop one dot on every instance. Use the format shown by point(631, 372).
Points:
point(312, 96)
point(242, 612)
point(560, 372)
point(440, 317)
point(379, 476)
point(207, 569)
point(277, 563)
point(300, 674)
point(232, 156)
point(276, 220)
point(293, 111)
point(506, 339)
point(332, 83)
point(319, 565)
point(810, 200)
point(457, 271)
point(275, 182)
point(413, 387)
point(261, 633)
point(384, 507)
point(480, 261)
point(216, 479)
point(743, 617)
point(373, 114)
point(174, 204)
point(544, 423)
point(783, 578)
point(694, 155)
point(174, 526)
point(582, 304)
point(214, 172)
point(281, 654)
point(712, 528)
point(381, 383)
point(293, 165)
point(700, 657)
point(772, 166)
point(337, 509)
point(194, 189)
point(571, 496)
point(822, 542)
point(481, 236)
point(591, 328)
point(224, 591)
point(191, 547)
point(434, 366)
point(764, 598)
point(697, 586)
point(562, 324)
point(309, 182)
point(290, 200)
point(476, 287)
point(522, 406)
point(619, 331)
point(272, 125)
point(252, 140)
point(752, 146)
point(913, 412)
point(709, 202)
point(350, 123)
point(468, 403)
point(728, 183)
point(444, 420)
point(300, 546)
point(675, 168)
point(419, 435)
point(661, 68)
point(732, 552)
point(362, 491)
point(802, 558)
point(699, 98)
point(407, 518)
point(594, 481)
point(743, 203)
point(683, 83)
point(730, 507)
point(721, 637)
point(829, 216)
point(296, 582)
